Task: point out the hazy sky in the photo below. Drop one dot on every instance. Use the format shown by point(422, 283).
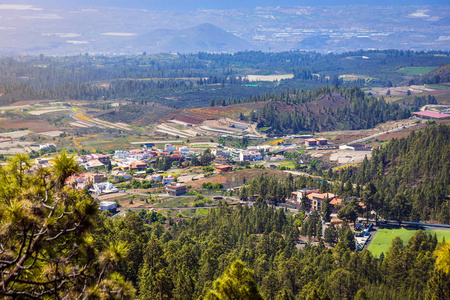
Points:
point(182, 5)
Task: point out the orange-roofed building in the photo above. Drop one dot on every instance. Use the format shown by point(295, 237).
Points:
point(138, 165)
point(310, 142)
point(316, 199)
point(223, 168)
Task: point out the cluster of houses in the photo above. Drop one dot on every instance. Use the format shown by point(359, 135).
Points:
point(317, 199)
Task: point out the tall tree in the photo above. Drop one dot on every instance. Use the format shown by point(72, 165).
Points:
point(236, 283)
point(45, 246)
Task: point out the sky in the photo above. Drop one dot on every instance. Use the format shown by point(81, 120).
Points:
point(186, 5)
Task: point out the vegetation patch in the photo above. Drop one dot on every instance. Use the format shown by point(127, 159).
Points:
point(416, 71)
point(382, 240)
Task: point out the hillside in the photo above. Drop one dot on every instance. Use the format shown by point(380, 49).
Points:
point(327, 109)
point(204, 37)
point(141, 115)
point(411, 176)
point(440, 75)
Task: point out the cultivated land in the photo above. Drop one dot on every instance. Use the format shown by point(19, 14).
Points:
point(382, 240)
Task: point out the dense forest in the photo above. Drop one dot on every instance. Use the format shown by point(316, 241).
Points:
point(153, 78)
point(406, 179)
point(56, 244)
point(183, 260)
point(325, 109)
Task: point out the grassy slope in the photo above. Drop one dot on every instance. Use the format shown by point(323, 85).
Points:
point(382, 240)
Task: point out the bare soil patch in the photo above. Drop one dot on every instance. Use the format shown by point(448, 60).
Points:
point(36, 126)
point(235, 178)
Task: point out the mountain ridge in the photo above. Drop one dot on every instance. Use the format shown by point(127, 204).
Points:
point(204, 37)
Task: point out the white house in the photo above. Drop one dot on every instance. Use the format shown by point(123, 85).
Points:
point(104, 188)
point(249, 155)
point(168, 179)
point(170, 148)
point(108, 205)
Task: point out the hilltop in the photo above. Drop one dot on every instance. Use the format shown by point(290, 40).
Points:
point(204, 37)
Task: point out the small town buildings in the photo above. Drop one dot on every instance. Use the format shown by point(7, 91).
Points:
point(176, 189)
point(221, 161)
point(223, 168)
point(104, 159)
point(168, 179)
point(249, 155)
point(322, 141)
point(431, 115)
point(94, 177)
point(47, 147)
point(218, 153)
point(108, 205)
point(337, 221)
point(315, 142)
point(317, 199)
point(298, 195)
point(310, 142)
point(156, 177)
point(176, 156)
point(93, 164)
point(104, 188)
point(276, 157)
point(118, 154)
point(121, 176)
point(355, 147)
point(183, 150)
point(43, 162)
point(336, 202)
point(169, 148)
point(138, 165)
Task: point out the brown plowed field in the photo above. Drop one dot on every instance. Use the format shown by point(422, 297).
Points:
point(36, 126)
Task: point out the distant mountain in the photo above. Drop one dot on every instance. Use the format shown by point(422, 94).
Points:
point(205, 37)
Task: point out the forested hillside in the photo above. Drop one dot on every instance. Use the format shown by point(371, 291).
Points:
point(54, 242)
point(409, 177)
point(201, 76)
point(183, 260)
point(325, 109)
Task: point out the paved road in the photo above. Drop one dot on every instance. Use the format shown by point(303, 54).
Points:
point(84, 121)
point(379, 134)
point(302, 174)
point(166, 208)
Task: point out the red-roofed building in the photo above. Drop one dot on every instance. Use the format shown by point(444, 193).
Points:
point(431, 115)
point(322, 141)
point(138, 165)
point(176, 156)
point(310, 142)
point(316, 199)
point(223, 168)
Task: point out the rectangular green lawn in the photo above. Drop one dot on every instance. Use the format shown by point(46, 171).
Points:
point(416, 71)
point(382, 240)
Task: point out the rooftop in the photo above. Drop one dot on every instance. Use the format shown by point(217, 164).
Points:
point(432, 114)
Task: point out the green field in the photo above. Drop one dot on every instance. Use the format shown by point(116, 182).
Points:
point(438, 86)
point(382, 240)
point(416, 71)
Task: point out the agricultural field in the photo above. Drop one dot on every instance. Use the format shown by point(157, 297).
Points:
point(382, 240)
point(416, 71)
point(254, 78)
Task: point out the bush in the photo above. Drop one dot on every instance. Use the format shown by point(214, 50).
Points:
point(208, 169)
point(210, 186)
point(199, 197)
